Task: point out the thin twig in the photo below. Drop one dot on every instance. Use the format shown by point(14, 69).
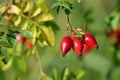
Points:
point(30, 20)
point(69, 25)
point(8, 5)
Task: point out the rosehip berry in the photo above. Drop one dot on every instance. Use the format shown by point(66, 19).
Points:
point(77, 45)
point(117, 39)
point(85, 49)
point(28, 44)
point(65, 45)
point(19, 38)
point(90, 40)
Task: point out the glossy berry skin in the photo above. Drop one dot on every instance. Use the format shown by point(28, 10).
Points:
point(85, 48)
point(65, 45)
point(90, 40)
point(77, 45)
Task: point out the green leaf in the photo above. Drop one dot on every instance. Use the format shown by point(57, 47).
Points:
point(48, 35)
point(21, 64)
point(33, 30)
point(4, 52)
point(24, 25)
point(11, 39)
point(4, 66)
point(26, 6)
point(80, 74)
point(66, 6)
point(56, 4)
point(58, 9)
point(25, 33)
point(45, 17)
point(3, 37)
point(65, 73)
point(71, 76)
point(36, 12)
point(67, 11)
point(2, 56)
point(2, 8)
point(14, 10)
point(53, 25)
point(115, 21)
point(54, 74)
point(17, 20)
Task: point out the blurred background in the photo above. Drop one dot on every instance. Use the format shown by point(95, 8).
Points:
point(94, 65)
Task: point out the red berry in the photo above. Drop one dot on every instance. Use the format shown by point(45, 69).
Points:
point(65, 45)
point(90, 40)
point(85, 49)
point(27, 42)
point(117, 39)
point(77, 45)
point(19, 38)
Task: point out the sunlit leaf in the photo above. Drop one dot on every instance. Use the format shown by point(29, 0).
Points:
point(80, 74)
point(44, 76)
point(5, 67)
point(17, 20)
point(14, 10)
point(49, 37)
point(45, 17)
point(33, 30)
point(36, 12)
point(26, 6)
point(2, 8)
point(24, 25)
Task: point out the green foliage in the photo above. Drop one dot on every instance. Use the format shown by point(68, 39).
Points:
point(30, 19)
point(113, 20)
point(66, 6)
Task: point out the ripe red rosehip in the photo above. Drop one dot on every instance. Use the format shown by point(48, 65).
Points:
point(117, 39)
point(77, 45)
point(90, 40)
point(85, 49)
point(28, 44)
point(65, 45)
point(19, 38)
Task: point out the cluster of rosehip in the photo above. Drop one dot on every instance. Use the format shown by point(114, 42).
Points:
point(80, 45)
point(23, 39)
point(116, 34)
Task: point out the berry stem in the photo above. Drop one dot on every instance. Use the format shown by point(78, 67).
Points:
point(68, 24)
